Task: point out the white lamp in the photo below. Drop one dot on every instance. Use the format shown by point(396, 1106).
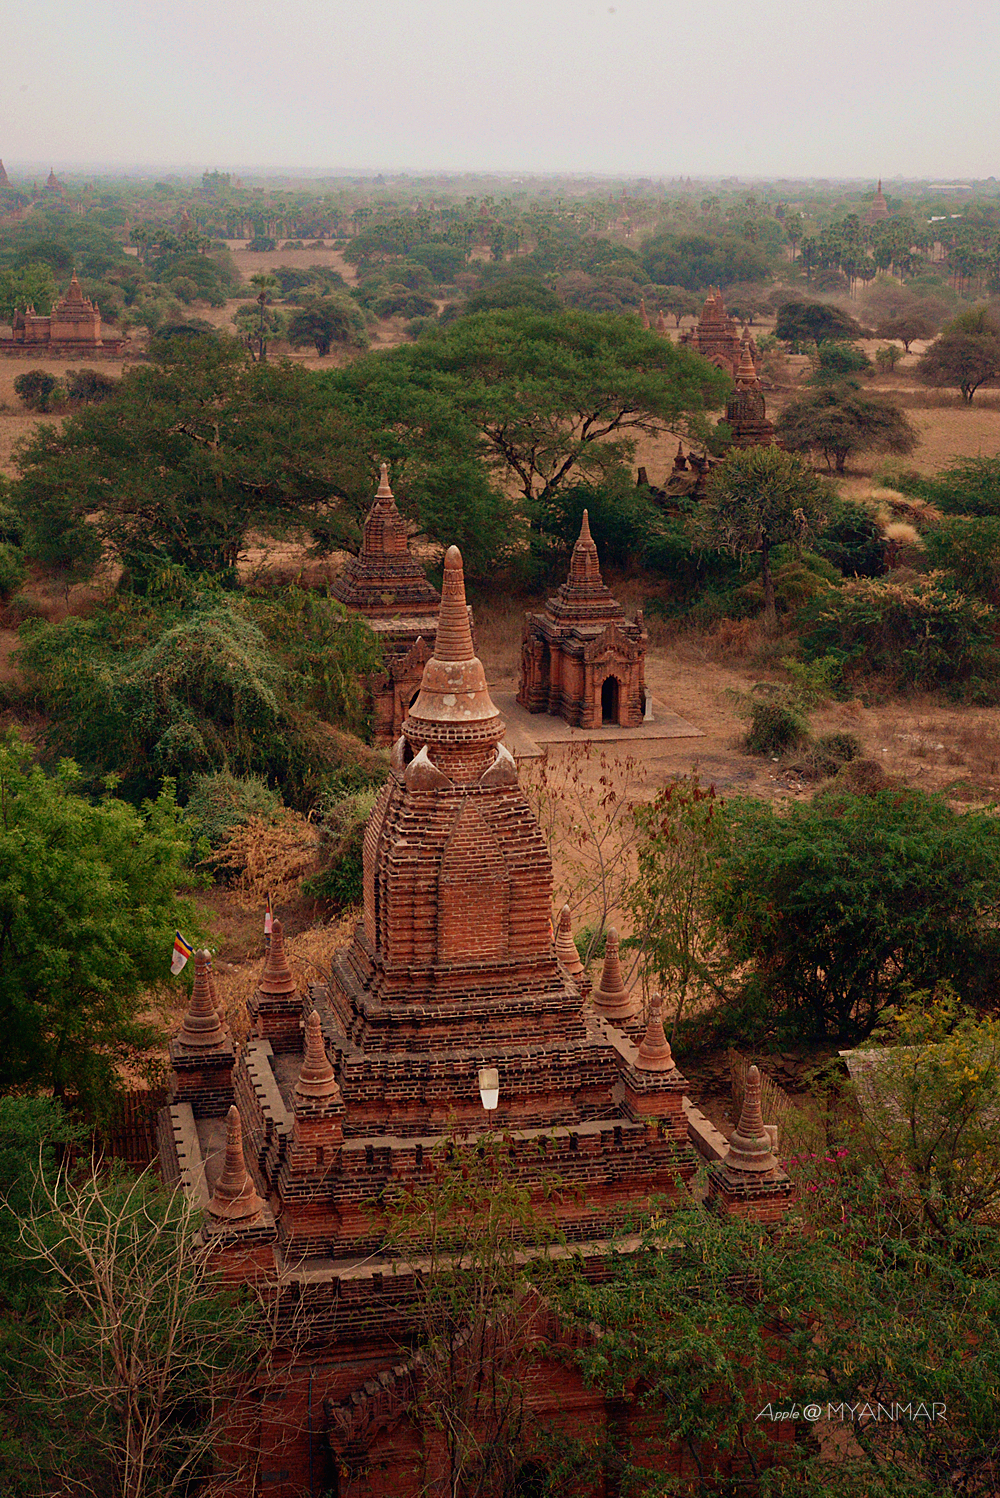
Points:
point(489, 1087)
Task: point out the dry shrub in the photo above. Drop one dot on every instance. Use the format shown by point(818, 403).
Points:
point(891, 503)
point(267, 857)
point(733, 639)
point(864, 777)
point(309, 956)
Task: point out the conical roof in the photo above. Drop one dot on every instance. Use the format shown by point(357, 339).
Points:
point(317, 1079)
point(276, 979)
point(583, 596)
point(454, 703)
point(611, 997)
point(661, 326)
point(4, 179)
point(565, 945)
point(746, 374)
point(235, 1199)
point(385, 579)
point(643, 314)
point(750, 1147)
point(201, 1028)
point(74, 291)
point(654, 1052)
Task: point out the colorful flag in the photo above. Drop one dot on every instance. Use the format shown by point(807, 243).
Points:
point(182, 951)
point(268, 921)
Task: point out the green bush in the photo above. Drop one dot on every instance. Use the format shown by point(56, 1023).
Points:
point(12, 571)
point(968, 487)
point(776, 720)
point(38, 389)
point(89, 385)
point(836, 907)
point(342, 820)
point(192, 687)
point(852, 541)
point(913, 634)
point(968, 547)
point(221, 802)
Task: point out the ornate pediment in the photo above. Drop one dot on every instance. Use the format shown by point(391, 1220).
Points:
point(613, 644)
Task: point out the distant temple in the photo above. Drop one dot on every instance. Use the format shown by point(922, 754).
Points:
point(390, 589)
point(582, 660)
point(717, 337)
point(879, 209)
point(746, 411)
point(54, 187)
point(4, 179)
point(72, 327)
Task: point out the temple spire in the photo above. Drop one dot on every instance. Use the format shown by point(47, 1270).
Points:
point(654, 1052)
point(383, 491)
point(234, 1199)
point(277, 976)
point(585, 566)
point(611, 997)
point(566, 947)
point(453, 692)
point(201, 1028)
point(317, 1079)
point(750, 1147)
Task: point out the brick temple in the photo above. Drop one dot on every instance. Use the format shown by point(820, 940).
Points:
point(746, 410)
point(581, 659)
point(716, 336)
point(72, 328)
point(388, 586)
point(353, 1090)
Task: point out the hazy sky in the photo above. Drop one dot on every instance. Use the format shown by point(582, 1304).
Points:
point(654, 87)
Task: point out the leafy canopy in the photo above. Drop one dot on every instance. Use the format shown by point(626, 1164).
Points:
point(184, 459)
point(88, 909)
point(839, 421)
point(835, 905)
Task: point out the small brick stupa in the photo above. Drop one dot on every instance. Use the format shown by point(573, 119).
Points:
point(582, 660)
point(389, 587)
point(746, 410)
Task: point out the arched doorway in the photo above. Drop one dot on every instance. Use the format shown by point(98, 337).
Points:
point(610, 694)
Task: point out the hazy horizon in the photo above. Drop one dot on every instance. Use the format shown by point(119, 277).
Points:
point(567, 87)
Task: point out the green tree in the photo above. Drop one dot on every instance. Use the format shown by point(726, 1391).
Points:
point(39, 390)
point(88, 909)
point(966, 355)
point(188, 455)
point(668, 900)
point(838, 361)
point(543, 397)
point(834, 906)
point(906, 327)
point(801, 322)
point(23, 286)
point(839, 421)
point(756, 499)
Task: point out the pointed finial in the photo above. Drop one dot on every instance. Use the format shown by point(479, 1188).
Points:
point(383, 491)
point(585, 538)
point(277, 976)
point(750, 1146)
point(217, 1003)
point(454, 635)
point(201, 1028)
point(654, 1052)
point(317, 1078)
point(611, 997)
point(565, 945)
point(234, 1199)
point(643, 314)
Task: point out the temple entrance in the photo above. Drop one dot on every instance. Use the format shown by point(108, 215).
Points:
point(610, 692)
